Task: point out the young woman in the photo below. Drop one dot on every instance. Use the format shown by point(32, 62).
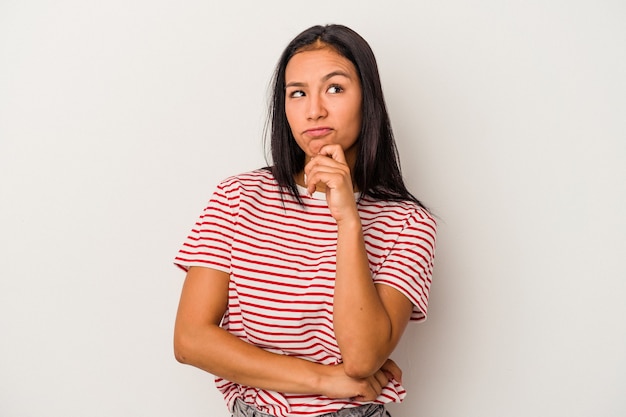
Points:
point(302, 276)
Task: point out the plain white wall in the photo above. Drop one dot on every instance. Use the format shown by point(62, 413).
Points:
point(118, 118)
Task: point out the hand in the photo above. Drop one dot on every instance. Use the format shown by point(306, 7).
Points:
point(392, 370)
point(330, 169)
point(337, 384)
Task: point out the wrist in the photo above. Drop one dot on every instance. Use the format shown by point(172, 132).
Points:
point(348, 223)
point(319, 378)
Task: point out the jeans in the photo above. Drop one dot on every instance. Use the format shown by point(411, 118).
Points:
point(242, 409)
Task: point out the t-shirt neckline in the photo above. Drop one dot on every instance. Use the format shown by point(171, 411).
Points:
point(318, 195)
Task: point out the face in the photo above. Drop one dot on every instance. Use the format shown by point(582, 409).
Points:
point(323, 101)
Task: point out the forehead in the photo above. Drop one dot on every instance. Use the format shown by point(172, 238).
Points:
point(318, 63)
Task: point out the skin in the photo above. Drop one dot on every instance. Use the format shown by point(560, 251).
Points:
point(323, 108)
point(323, 102)
point(324, 111)
point(200, 342)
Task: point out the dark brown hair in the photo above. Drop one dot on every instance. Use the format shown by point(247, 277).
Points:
point(377, 171)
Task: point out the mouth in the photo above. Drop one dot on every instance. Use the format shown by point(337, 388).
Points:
point(317, 132)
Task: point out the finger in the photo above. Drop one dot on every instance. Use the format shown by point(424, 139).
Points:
point(334, 181)
point(315, 163)
point(365, 392)
point(315, 178)
point(332, 174)
point(334, 151)
point(368, 392)
point(375, 387)
point(382, 378)
point(327, 162)
point(391, 368)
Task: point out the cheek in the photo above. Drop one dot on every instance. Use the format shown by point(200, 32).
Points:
point(356, 117)
point(354, 110)
point(291, 116)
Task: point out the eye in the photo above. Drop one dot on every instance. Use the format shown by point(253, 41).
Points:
point(296, 94)
point(334, 89)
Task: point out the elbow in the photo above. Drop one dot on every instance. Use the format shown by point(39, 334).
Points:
point(190, 344)
point(180, 356)
point(361, 361)
point(360, 368)
point(181, 349)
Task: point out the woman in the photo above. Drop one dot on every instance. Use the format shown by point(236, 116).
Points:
point(301, 277)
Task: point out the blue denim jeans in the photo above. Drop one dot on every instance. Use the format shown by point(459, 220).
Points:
point(242, 409)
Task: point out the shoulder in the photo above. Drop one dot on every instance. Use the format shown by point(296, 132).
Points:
point(260, 180)
point(394, 221)
point(257, 178)
point(406, 212)
point(258, 186)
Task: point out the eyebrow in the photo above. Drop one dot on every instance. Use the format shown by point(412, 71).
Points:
point(324, 78)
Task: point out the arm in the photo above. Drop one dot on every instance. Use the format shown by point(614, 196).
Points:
point(200, 342)
point(368, 319)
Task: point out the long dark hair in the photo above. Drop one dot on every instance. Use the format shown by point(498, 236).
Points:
point(376, 171)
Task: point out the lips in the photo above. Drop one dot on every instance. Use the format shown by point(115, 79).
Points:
point(318, 131)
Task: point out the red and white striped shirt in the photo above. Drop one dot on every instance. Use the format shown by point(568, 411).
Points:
point(281, 261)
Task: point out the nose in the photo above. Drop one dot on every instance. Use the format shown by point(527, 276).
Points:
point(317, 108)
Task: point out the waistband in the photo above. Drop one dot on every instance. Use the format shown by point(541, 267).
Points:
point(241, 409)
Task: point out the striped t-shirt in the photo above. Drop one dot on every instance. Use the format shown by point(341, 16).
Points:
point(281, 260)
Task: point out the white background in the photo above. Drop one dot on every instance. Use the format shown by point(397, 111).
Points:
point(117, 119)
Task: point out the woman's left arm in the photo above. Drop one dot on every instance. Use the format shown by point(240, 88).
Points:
point(368, 319)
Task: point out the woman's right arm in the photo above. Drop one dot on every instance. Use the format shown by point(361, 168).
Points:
point(200, 341)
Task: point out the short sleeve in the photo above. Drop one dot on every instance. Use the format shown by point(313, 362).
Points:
point(409, 265)
point(210, 241)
